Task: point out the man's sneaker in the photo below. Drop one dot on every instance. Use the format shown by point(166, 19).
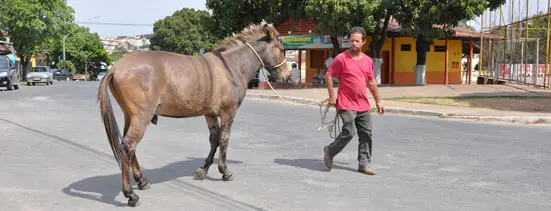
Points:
point(366, 170)
point(327, 159)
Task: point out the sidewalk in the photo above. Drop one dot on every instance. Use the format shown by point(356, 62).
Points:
point(397, 107)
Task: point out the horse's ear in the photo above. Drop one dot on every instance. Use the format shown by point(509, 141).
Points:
point(269, 30)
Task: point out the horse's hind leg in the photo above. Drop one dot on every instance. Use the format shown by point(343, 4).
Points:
point(134, 134)
point(126, 186)
point(227, 121)
point(214, 138)
point(143, 183)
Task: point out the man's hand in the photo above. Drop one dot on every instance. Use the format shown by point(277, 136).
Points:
point(332, 100)
point(380, 108)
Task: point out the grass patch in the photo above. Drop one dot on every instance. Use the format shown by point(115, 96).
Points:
point(509, 103)
point(468, 97)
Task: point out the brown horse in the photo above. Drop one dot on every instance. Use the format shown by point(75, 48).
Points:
point(147, 84)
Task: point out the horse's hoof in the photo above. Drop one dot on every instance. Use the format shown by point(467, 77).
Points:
point(228, 176)
point(134, 200)
point(144, 185)
point(154, 120)
point(200, 174)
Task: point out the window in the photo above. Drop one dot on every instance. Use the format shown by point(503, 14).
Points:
point(439, 48)
point(4, 63)
point(405, 47)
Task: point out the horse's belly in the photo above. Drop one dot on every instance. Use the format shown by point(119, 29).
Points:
point(181, 110)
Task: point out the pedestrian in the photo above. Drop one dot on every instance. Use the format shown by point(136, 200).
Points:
point(319, 77)
point(295, 74)
point(263, 77)
point(354, 70)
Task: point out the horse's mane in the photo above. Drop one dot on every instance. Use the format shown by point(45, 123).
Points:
point(246, 35)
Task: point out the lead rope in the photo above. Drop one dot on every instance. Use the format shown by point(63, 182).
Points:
point(331, 125)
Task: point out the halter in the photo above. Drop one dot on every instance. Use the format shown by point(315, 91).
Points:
point(262, 62)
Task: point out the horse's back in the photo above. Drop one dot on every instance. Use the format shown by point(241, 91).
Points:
point(180, 85)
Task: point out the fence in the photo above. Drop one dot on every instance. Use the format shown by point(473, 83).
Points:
point(520, 50)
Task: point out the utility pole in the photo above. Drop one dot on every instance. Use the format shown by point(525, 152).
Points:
point(64, 62)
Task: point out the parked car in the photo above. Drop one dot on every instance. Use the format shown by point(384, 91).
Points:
point(9, 77)
point(62, 75)
point(100, 76)
point(40, 74)
point(81, 77)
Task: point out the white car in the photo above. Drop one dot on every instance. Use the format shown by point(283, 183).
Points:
point(40, 74)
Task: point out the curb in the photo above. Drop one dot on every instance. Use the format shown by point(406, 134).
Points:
point(512, 119)
point(275, 97)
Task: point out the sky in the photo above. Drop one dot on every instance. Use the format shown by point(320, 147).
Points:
point(533, 7)
point(147, 12)
point(127, 12)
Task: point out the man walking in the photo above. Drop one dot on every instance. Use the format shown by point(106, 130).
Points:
point(354, 70)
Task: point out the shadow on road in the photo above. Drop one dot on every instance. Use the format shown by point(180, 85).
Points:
point(311, 164)
point(106, 188)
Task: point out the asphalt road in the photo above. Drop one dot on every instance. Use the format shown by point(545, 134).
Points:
point(54, 155)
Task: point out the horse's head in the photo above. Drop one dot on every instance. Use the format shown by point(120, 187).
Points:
point(270, 51)
point(262, 40)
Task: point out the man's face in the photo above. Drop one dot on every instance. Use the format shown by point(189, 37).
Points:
point(356, 42)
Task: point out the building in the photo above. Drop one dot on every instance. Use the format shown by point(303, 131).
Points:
point(128, 44)
point(398, 53)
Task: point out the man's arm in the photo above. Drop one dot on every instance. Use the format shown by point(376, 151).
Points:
point(372, 85)
point(333, 71)
point(330, 90)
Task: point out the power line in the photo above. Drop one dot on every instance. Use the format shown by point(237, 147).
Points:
point(115, 24)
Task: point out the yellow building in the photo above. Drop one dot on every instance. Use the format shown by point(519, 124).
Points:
point(33, 60)
point(398, 53)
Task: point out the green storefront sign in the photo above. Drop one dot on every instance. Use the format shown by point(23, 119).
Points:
point(297, 41)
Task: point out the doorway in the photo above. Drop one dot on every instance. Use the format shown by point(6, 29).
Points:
point(385, 67)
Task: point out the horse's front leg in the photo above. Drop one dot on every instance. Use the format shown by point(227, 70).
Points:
point(214, 140)
point(227, 120)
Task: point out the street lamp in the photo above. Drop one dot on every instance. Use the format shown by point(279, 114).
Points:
point(65, 37)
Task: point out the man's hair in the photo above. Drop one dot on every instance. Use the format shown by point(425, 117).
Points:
point(357, 29)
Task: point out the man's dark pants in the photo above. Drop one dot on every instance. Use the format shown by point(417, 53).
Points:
point(354, 122)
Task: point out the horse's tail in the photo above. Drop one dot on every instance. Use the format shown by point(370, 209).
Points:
point(109, 121)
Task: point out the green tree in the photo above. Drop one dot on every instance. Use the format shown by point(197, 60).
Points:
point(338, 16)
point(31, 23)
point(186, 31)
point(118, 54)
point(385, 9)
point(419, 19)
point(231, 16)
point(83, 49)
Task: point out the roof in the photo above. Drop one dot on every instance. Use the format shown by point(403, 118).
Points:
point(307, 26)
point(297, 27)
